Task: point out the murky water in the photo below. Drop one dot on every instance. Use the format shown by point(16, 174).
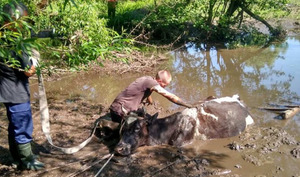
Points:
point(261, 76)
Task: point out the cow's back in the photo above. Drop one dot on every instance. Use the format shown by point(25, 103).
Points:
point(177, 129)
point(223, 117)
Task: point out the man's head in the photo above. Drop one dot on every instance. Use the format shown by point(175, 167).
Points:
point(15, 10)
point(163, 77)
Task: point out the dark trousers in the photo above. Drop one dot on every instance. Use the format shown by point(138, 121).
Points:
point(20, 122)
point(115, 117)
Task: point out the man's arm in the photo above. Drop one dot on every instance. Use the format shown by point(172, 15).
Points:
point(149, 100)
point(170, 96)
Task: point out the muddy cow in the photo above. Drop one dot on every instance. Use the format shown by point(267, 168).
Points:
point(215, 118)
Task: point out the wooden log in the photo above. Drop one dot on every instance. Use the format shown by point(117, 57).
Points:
point(275, 110)
point(285, 105)
point(284, 111)
point(290, 113)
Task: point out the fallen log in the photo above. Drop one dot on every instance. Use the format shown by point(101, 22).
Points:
point(284, 111)
point(290, 113)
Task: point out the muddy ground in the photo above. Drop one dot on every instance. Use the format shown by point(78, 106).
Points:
point(72, 119)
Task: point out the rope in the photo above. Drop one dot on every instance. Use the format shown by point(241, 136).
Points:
point(44, 111)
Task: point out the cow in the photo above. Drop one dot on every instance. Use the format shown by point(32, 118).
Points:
point(216, 118)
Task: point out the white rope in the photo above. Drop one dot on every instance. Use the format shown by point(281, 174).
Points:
point(46, 125)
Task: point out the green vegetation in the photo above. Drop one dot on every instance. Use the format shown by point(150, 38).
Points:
point(84, 33)
point(15, 35)
point(294, 9)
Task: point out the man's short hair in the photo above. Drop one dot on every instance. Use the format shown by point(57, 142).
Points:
point(164, 76)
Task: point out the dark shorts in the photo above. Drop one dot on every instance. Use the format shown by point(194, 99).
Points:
point(115, 117)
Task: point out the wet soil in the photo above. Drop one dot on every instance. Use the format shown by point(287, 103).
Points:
point(72, 120)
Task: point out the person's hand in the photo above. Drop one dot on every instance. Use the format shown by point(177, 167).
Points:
point(34, 57)
point(148, 101)
point(30, 72)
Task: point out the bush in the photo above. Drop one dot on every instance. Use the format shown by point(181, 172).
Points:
point(82, 33)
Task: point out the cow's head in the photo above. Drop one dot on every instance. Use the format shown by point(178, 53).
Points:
point(134, 133)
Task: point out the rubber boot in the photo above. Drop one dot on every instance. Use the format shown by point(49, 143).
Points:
point(28, 159)
point(13, 149)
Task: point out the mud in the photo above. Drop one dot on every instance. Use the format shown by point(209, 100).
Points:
point(259, 145)
point(71, 123)
point(296, 152)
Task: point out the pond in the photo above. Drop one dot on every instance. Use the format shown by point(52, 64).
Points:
point(260, 76)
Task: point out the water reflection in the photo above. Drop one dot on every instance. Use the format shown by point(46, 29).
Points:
point(259, 75)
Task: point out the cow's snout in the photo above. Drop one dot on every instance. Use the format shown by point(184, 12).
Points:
point(123, 149)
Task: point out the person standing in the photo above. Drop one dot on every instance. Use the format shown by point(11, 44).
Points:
point(141, 89)
point(15, 94)
point(111, 7)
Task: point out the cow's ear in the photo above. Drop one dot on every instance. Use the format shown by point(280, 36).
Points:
point(130, 119)
point(152, 118)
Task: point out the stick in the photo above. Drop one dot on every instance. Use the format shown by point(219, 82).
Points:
point(176, 161)
point(95, 163)
point(104, 165)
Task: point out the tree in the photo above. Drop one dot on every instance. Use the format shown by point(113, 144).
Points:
point(235, 8)
point(15, 34)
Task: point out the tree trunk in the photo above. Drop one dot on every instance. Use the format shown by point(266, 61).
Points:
point(234, 4)
point(210, 12)
point(256, 17)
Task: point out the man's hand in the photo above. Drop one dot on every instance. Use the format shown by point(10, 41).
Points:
point(34, 59)
point(30, 72)
point(149, 100)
